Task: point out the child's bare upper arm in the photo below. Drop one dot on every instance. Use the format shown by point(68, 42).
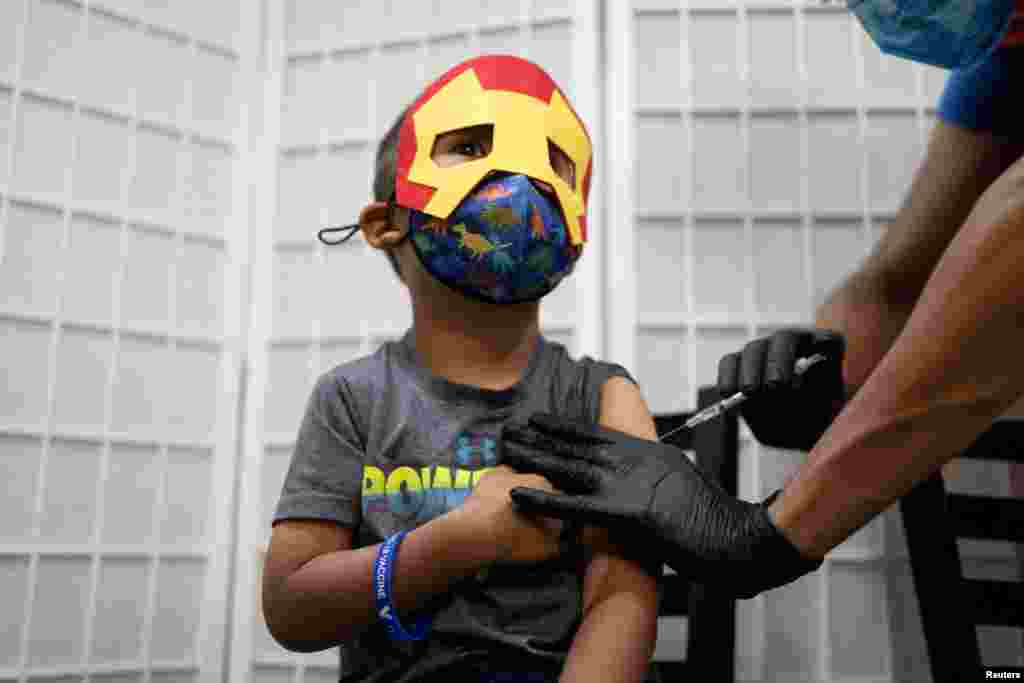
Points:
point(622, 408)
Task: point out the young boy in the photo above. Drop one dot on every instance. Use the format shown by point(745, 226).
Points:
point(480, 190)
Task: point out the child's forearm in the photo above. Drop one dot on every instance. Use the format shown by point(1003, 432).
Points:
point(330, 599)
point(616, 640)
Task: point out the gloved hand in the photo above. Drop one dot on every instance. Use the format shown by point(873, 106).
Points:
point(785, 409)
point(654, 502)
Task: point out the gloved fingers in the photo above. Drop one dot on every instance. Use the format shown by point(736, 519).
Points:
point(781, 357)
point(566, 474)
point(529, 438)
point(574, 431)
point(752, 365)
point(831, 344)
point(729, 374)
point(572, 508)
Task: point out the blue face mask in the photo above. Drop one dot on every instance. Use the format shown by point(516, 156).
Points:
point(505, 243)
point(945, 33)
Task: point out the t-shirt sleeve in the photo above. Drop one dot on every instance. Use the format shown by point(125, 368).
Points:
point(325, 476)
point(596, 374)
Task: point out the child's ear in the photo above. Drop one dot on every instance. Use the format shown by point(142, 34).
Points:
point(381, 227)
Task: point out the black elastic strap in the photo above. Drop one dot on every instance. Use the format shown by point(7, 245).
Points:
point(352, 230)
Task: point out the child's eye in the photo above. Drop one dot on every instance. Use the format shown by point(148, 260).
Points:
point(469, 149)
point(462, 145)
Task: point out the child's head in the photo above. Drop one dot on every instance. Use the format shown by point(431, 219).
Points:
point(384, 176)
point(481, 184)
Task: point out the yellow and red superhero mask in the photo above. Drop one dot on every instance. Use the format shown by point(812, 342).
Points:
point(527, 112)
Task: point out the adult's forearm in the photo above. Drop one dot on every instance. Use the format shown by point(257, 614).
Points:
point(873, 303)
point(951, 371)
point(331, 598)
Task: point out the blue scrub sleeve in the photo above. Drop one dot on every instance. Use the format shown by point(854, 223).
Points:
point(989, 96)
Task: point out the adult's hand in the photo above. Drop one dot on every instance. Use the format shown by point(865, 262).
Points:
point(654, 502)
point(786, 409)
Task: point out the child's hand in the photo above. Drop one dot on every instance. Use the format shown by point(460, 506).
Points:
point(598, 540)
point(489, 517)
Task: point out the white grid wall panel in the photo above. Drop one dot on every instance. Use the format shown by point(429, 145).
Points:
point(339, 76)
point(121, 305)
point(763, 144)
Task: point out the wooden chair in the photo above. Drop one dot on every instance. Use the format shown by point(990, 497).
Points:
point(951, 605)
point(711, 632)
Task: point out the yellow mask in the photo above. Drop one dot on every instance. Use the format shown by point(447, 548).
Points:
point(526, 109)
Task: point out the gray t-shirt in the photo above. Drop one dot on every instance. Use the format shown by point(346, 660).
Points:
point(385, 445)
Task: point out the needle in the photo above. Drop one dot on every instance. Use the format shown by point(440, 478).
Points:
point(716, 409)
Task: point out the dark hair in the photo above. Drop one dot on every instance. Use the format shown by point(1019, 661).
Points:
point(384, 172)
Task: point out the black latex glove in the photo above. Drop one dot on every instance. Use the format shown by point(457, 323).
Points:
point(785, 409)
point(654, 502)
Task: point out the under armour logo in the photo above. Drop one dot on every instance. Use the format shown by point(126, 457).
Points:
point(474, 450)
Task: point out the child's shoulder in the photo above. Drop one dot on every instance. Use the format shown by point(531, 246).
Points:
point(563, 361)
point(577, 382)
point(363, 372)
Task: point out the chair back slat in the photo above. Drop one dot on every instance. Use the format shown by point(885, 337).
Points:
point(1000, 519)
point(1004, 440)
point(952, 643)
point(675, 591)
point(674, 672)
point(717, 451)
point(995, 603)
point(951, 605)
point(675, 596)
point(711, 635)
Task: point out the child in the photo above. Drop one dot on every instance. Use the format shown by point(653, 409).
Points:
point(480, 191)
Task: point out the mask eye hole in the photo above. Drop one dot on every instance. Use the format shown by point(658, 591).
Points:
point(562, 164)
point(459, 146)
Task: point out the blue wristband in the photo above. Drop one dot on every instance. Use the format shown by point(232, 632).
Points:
point(382, 593)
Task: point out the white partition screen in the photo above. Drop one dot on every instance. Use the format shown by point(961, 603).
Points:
point(120, 277)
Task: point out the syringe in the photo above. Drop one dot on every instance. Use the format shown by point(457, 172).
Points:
point(716, 409)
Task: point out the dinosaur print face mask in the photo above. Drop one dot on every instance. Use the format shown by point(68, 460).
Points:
point(504, 243)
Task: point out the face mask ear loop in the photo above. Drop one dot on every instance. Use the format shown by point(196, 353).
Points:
point(352, 230)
